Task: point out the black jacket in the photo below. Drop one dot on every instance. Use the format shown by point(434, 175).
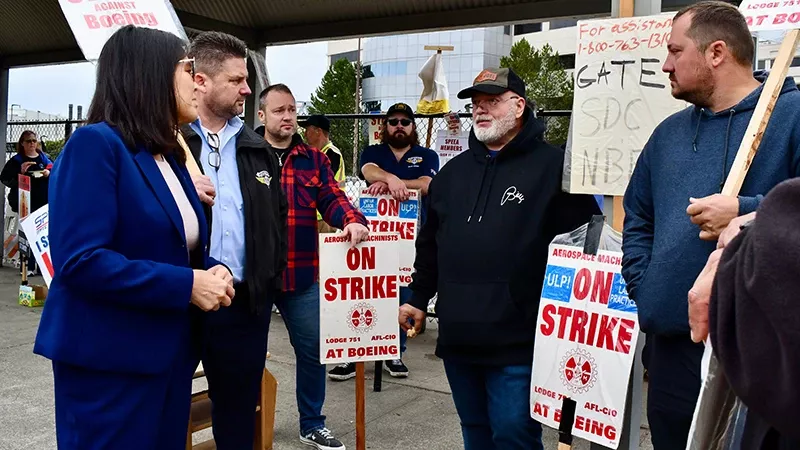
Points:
point(265, 213)
point(484, 245)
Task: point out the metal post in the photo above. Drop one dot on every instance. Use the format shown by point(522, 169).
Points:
point(80, 112)
point(357, 110)
point(258, 80)
point(68, 125)
point(3, 133)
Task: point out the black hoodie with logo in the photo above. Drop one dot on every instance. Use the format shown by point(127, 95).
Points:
point(484, 245)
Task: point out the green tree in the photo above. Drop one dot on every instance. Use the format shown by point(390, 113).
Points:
point(336, 94)
point(546, 82)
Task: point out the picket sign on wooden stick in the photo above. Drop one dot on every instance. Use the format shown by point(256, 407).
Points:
point(761, 115)
point(361, 413)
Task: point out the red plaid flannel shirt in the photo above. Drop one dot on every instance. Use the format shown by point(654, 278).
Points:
point(309, 184)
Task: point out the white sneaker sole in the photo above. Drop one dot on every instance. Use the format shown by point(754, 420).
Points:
point(311, 443)
point(341, 377)
point(395, 374)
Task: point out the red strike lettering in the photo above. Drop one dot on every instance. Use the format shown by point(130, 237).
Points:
point(606, 332)
point(600, 288)
point(596, 428)
point(361, 259)
point(381, 350)
point(361, 288)
point(95, 21)
point(388, 207)
point(406, 229)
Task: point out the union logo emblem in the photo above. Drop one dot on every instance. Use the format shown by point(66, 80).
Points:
point(578, 371)
point(362, 317)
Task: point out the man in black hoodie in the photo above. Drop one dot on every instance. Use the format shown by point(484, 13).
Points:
point(493, 211)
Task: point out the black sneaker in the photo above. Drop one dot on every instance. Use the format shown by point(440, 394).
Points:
point(322, 439)
point(396, 368)
point(343, 372)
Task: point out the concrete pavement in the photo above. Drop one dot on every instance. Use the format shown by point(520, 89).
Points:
point(413, 413)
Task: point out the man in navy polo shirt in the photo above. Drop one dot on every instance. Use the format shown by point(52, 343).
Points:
point(394, 167)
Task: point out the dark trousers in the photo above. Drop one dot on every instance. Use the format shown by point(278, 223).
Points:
point(97, 410)
point(673, 368)
point(234, 353)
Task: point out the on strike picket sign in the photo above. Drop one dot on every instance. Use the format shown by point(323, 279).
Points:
point(359, 298)
point(448, 146)
point(771, 15)
point(621, 95)
point(375, 129)
point(36, 228)
point(94, 21)
point(586, 336)
point(387, 215)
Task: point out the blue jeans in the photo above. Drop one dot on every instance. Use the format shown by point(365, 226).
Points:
point(405, 296)
point(300, 312)
point(493, 404)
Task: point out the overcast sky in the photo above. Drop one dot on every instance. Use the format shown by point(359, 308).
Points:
point(50, 89)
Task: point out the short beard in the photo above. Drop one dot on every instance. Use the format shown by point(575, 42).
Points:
point(701, 96)
point(280, 134)
point(403, 140)
point(227, 112)
point(500, 127)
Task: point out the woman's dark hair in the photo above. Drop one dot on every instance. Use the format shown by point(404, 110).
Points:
point(135, 90)
point(22, 138)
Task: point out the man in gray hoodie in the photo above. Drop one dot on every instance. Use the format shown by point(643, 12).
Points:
point(673, 210)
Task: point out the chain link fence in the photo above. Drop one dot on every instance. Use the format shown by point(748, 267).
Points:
point(351, 134)
point(52, 134)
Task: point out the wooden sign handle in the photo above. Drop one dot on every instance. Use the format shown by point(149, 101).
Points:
point(361, 416)
point(618, 212)
point(761, 115)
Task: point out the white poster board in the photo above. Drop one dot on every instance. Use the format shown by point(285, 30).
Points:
point(359, 299)
point(36, 228)
point(621, 95)
point(387, 215)
point(375, 129)
point(586, 335)
point(448, 146)
point(94, 21)
point(771, 15)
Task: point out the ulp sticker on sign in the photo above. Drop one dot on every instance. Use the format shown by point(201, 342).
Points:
point(387, 215)
point(586, 336)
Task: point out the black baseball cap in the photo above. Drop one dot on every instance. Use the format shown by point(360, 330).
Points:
point(495, 82)
point(318, 121)
point(401, 108)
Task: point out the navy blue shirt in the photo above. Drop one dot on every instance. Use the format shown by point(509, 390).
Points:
point(416, 162)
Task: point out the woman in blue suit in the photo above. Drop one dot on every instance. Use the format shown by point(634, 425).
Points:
point(130, 249)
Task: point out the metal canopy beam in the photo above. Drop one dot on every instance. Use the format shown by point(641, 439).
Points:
point(196, 23)
point(474, 17)
point(37, 59)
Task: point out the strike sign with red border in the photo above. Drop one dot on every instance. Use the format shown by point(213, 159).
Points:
point(387, 215)
point(586, 336)
point(359, 299)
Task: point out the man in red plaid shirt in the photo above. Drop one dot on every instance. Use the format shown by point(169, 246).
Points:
point(309, 184)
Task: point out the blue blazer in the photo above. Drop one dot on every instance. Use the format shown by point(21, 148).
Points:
point(120, 297)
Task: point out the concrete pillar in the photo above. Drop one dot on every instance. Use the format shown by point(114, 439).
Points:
point(3, 137)
point(258, 81)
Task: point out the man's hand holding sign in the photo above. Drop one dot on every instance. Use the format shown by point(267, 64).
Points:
point(712, 214)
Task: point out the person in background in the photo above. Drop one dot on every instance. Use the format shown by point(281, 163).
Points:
point(32, 161)
point(674, 210)
point(310, 186)
point(318, 135)
point(246, 212)
point(395, 166)
point(747, 297)
point(494, 209)
point(129, 247)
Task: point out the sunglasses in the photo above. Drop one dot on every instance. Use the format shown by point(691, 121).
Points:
point(186, 61)
point(394, 122)
point(31, 141)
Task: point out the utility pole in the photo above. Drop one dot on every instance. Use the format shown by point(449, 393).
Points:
point(357, 110)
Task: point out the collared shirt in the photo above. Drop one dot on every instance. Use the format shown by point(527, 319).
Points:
point(227, 225)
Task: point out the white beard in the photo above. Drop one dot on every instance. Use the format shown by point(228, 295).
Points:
point(498, 129)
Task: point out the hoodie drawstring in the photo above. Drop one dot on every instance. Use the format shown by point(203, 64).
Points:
point(488, 191)
point(725, 158)
point(697, 130)
point(480, 189)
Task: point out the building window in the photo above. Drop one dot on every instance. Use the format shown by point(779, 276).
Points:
point(795, 62)
point(567, 61)
point(527, 28)
point(507, 30)
point(351, 56)
point(564, 23)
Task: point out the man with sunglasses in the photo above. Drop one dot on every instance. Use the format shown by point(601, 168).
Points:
point(395, 166)
point(493, 211)
point(247, 214)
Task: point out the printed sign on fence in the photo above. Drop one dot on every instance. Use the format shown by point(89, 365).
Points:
point(36, 228)
point(375, 130)
point(621, 94)
point(771, 15)
point(586, 336)
point(449, 146)
point(359, 298)
point(94, 21)
point(387, 215)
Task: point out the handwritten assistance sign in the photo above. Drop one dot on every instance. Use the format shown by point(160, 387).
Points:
point(621, 94)
point(586, 335)
point(37, 228)
point(763, 15)
point(386, 214)
point(448, 146)
point(359, 298)
point(94, 21)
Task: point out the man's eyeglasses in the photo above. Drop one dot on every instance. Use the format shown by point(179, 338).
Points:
point(490, 103)
point(394, 122)
point(214, 158)
point(188, 61)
